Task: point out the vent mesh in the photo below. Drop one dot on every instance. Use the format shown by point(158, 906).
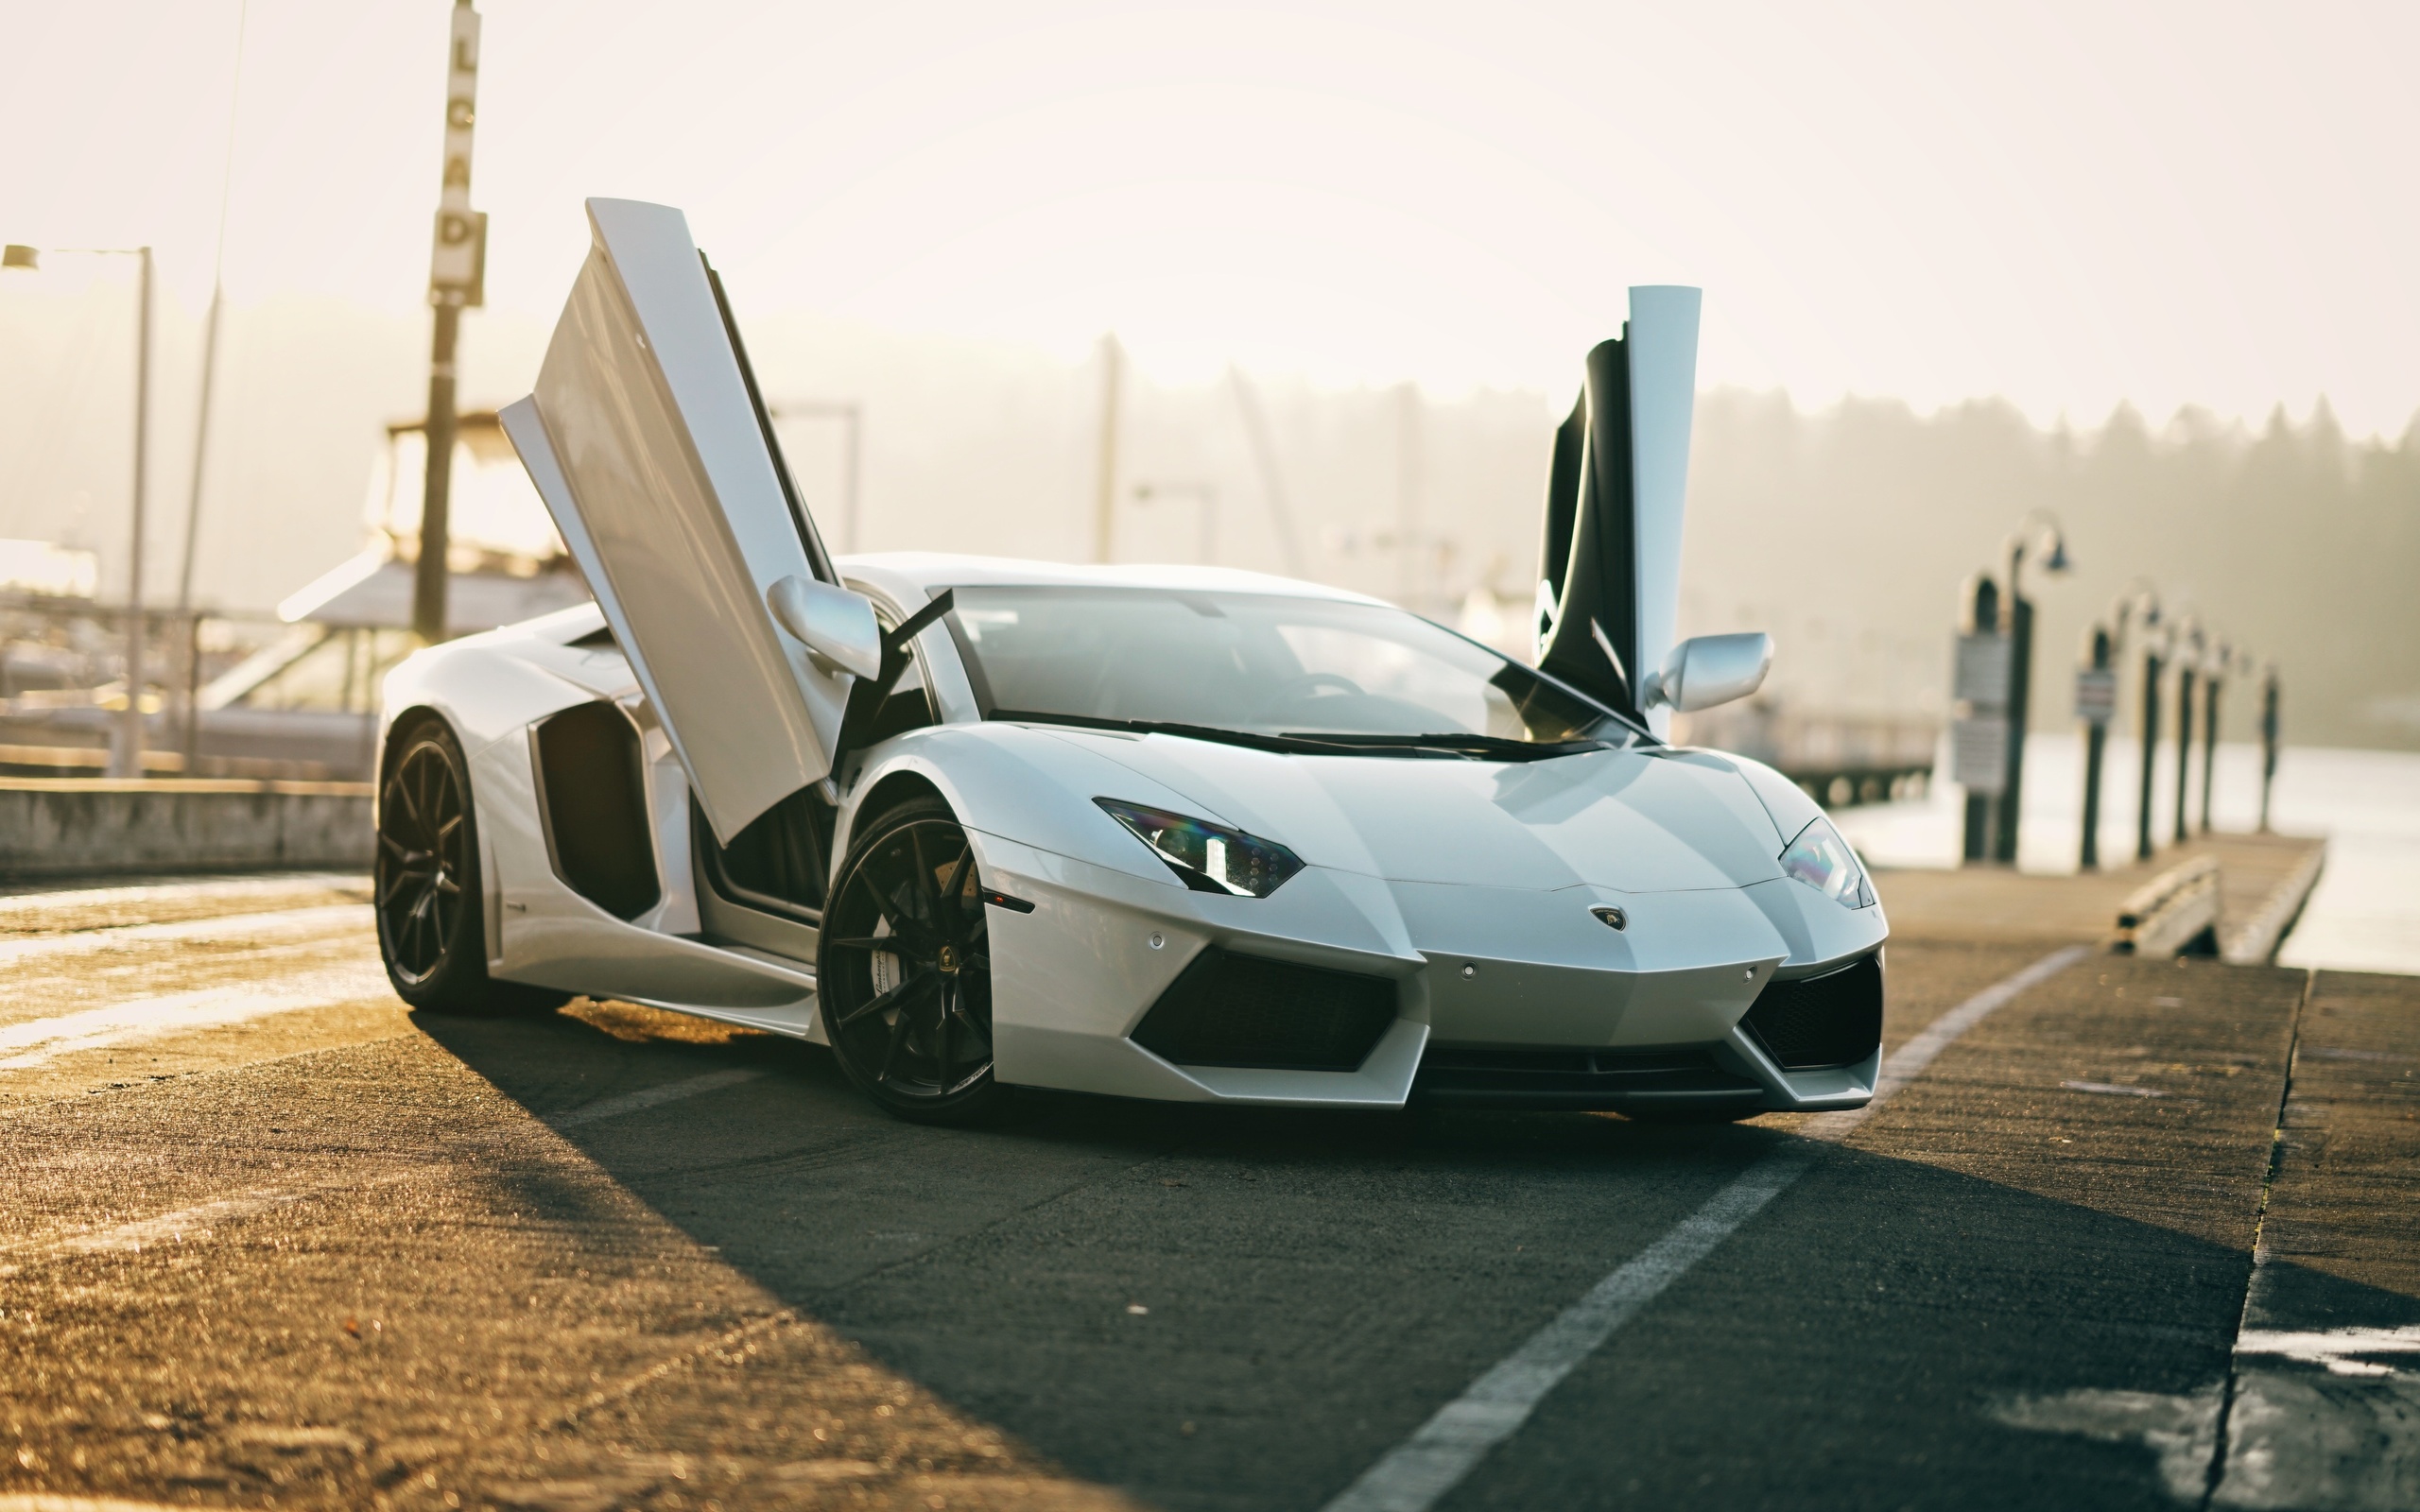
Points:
point(1819, 1021)
point(1242, 1010)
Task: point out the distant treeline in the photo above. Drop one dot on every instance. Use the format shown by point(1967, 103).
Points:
point(1848, 531)
point(1845, 531)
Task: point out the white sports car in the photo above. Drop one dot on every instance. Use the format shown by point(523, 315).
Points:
point(1157, 831)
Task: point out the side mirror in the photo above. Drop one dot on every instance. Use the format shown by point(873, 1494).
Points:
point(836, 625)
point(1706, 670)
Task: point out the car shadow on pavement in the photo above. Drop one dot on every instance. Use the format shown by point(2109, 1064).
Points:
point(1223, 1308)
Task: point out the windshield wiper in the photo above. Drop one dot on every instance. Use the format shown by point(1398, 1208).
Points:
point(1415, 747)
point(1287, 745)
point(1494, 747)
point(1461, 745)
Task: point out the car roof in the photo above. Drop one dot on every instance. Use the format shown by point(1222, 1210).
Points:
point(931, 571)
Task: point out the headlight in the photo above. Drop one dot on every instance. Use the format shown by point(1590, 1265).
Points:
point(1819, 858)
point(1208, 857)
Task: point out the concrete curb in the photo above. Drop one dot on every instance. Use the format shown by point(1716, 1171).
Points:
point(67, 827)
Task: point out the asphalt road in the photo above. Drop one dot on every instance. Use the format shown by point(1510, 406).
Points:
point(268, 1239)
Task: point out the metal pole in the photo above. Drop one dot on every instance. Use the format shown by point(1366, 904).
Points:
point(1105, 494)
point(2268, 742)
point(429, 572)
point(193, 695)
point(191, 742)
point(126, 760)
point(457, 271)
point(2095, 737)
point(2184, 740)
point(2151, 751)
point(2210, 733)
point(2020, 685)
point(1984, 613)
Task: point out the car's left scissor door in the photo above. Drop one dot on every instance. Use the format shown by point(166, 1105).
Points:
point(651, 449)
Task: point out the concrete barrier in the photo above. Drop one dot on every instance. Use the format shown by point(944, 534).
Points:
point(68, 827)
point(2174, 911)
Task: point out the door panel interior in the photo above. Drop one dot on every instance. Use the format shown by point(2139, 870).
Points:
point(779, 862)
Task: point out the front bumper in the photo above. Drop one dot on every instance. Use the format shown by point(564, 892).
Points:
point(1477, 972)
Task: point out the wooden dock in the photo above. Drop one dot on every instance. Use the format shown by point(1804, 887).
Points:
point(2263, 881)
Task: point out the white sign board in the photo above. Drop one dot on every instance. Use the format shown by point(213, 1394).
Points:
point(1982, 675)
point(2096, 696)
point(457, 266)
point(1978, 753)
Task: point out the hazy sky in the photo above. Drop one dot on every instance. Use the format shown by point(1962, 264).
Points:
point(2066, 204)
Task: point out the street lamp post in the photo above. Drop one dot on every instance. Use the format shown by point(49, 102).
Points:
point(2019, 611)
point(2102, 679)
point(126, 749)
point(2189, 660)
point(2096, 703)
point(2268, 741)
point(2154, 646)
point(2212, 682)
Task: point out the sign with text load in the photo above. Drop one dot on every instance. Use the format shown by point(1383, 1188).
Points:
point(457, 266)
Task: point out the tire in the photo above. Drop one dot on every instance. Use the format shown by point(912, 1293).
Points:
point(432, 933)
point(903, 972)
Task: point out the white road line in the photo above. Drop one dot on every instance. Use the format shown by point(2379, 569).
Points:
point(37, 1041)
point(1416, 1473)
point(170, 1228)
point(45, 1501)
point(2110, 1089)
point(197, 1221)
point(1909, 1061)
point(651, 1097)
point(188, 1225)
point(236, 928)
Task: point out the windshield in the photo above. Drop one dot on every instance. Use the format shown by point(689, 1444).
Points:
point(1317, 672)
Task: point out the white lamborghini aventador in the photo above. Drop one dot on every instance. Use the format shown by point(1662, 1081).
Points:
point(1171, 832)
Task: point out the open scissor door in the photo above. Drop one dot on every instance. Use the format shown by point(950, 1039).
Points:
point(652, 449)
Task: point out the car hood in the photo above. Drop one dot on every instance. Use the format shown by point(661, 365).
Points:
point(1651, 820)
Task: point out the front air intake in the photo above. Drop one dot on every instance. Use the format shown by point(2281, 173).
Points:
point(1816, 1023)
point(1509, 1076)
point(1246, 1011)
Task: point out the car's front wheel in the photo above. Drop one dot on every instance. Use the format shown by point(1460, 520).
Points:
point(904, 975)
point(426, 882)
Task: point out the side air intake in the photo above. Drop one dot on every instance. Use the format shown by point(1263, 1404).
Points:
point(592, 799)
point(1242, 1010)
point(1819, 1021)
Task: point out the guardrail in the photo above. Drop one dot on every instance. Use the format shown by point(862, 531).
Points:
point(2174, 912)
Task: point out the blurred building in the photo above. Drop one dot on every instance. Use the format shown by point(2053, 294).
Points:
point(295, 696)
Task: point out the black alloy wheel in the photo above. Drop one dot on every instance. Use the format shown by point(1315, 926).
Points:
point(426, 881)
point(905, 969)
